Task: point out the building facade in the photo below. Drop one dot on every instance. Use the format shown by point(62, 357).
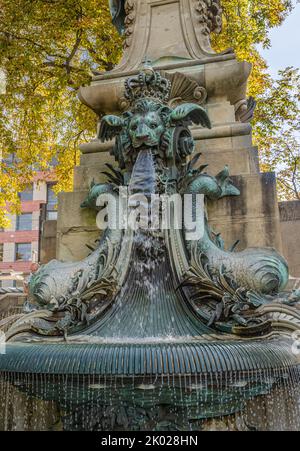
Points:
point(20, 243)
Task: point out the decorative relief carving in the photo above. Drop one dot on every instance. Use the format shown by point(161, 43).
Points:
point(130, 9)
point(244, 109)
point(289, 211)
point(184, 89)
point(210, 16)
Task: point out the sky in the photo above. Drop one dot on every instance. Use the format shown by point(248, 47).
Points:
point(285, 44)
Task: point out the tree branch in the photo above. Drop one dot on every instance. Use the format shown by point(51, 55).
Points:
point(294, 179)
point(8, 34)
point(101, 61)
point(285, 184)
point(63, 66)
point(74, 50)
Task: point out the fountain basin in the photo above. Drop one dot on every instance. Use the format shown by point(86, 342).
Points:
point(148, 359)
point(150, 386)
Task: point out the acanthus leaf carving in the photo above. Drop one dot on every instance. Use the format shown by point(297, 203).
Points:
point(130, 10)
point(209, 14)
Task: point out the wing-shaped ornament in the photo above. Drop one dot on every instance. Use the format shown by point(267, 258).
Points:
point(190, 112)
point(110, 127)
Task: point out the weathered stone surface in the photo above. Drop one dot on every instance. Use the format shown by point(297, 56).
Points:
point(290, 230)
point(48, 241)
point(91, 170)
point(252, 217)
point(220, 112)
point(106, 90)
point(226, 137)
point(76, 227)
point(98, 158)
point(73, 243)
point(76, 216)
point(240, 160)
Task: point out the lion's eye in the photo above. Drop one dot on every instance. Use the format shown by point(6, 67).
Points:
point(134, 127)
point(153, 125)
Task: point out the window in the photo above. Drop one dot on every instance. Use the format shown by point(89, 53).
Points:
point(51, 202)
point(23, 252)
point(27, 194)
point(24, 221)
point(1, 252)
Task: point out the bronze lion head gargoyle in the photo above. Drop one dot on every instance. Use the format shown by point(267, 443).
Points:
point(150, 123)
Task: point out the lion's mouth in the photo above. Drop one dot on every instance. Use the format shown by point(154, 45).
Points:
point(146, 143)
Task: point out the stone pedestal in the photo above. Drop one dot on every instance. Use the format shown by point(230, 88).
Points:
point(174, 35)
point(48, 241)
point(253, 217)
point(290, 227)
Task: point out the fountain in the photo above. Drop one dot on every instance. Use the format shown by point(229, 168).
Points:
point(160, 327)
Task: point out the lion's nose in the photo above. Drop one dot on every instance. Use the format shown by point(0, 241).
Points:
point(143, 136)
point(142, 133)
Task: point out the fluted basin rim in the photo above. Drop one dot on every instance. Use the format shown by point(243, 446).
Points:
point(147, 359)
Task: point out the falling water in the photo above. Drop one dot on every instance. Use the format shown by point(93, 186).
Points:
point(253, 401)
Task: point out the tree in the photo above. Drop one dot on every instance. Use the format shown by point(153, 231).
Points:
point(277, 131)
point(285, 159)
point(49, 48)
point(246, 23)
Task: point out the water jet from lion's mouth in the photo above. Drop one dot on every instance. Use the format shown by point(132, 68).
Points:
point(143, 177)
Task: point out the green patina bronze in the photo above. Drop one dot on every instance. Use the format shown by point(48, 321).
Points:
point(117, 9)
